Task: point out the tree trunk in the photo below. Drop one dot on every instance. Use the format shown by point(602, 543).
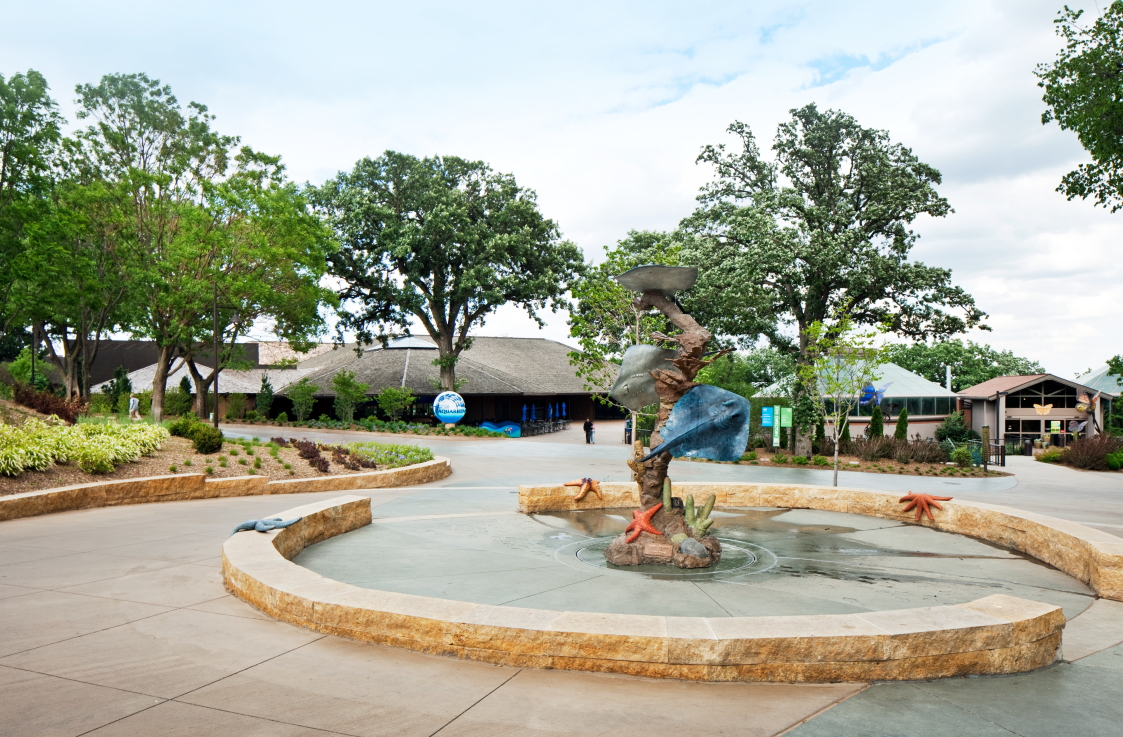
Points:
point(446, 360)
point(159, 382)
point(202, 388)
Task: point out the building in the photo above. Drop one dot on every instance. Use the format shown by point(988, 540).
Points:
point(504, 378)
point(1020, 408)
point(928, 404)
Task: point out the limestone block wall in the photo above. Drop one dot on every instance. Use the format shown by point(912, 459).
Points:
point(197, 486)
point(1090, 555)
point(997, 634)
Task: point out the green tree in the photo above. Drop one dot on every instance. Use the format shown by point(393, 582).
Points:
point(444, 240)
point(821, 231)
point(902, 430)
point(1082, 94)
point(303, 396)
point(877, 423)
point(393, 401)
point(264, 400)
point(971, 363)
point(348, 393)
point(844, 359)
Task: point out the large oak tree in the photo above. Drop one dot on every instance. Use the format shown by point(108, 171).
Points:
point(444, 240)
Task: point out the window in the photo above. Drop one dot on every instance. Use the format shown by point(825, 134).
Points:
point(928, 406)
point(914, 405)
point(943, 405)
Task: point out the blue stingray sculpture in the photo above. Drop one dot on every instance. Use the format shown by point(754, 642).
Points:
point(264, 525)
point(707, 422)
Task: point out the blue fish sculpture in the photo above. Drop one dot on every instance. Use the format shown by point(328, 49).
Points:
point(707, 422)
point(264, 525)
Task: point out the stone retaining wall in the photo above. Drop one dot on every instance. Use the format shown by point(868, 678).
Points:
point(997, 634)
point(197, 486)
point(1090, 555)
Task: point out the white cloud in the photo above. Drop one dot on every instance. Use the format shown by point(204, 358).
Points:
point(602, 109)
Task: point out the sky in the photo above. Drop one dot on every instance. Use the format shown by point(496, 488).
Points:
point(602, 108)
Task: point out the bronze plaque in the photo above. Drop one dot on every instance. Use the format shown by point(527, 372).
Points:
point(659, 550)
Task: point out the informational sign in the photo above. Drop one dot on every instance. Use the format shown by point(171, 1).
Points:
point(449, 407)
point(1054, 426)
point(776, 427)
point(785, 417)
point(767, 417)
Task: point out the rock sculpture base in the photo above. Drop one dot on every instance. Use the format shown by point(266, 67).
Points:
point(648, 549)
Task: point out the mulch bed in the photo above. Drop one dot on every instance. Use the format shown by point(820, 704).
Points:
point(177, 452)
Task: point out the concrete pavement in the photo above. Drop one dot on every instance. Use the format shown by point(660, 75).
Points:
point(115, 622)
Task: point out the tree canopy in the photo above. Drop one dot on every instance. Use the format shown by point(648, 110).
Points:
point(1083, 92)
point(971, 363)
point(444, 240)
point(822, 230)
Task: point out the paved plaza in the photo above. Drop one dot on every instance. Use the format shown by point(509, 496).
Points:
point(115, 620)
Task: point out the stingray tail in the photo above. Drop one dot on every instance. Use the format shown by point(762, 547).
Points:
point(662, 447)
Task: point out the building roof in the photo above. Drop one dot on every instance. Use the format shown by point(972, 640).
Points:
point(901, 383)
point(530, 366)
point(229, 380)
point(991, 388)
point(1100, 381)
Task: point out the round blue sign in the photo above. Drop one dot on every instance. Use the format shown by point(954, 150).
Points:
point(449, 407)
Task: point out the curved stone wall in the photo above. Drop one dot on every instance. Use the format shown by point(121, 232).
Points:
point(198, 486)
point(997, 634)
point(1092, 556)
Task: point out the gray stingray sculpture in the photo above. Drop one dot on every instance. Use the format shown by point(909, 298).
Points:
point(264, 525)
point(635, 387)
point(667, 279)
point(707, 422)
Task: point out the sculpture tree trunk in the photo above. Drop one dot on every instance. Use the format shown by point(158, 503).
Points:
point(671, 385)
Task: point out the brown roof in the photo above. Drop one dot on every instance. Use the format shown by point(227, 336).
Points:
point(1007, 384)
point(492, 366)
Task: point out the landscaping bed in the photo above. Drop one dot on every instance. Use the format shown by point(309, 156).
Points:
point(764, 457)
point(271, 460)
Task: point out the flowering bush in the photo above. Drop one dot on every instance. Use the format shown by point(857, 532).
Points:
point(94, 448)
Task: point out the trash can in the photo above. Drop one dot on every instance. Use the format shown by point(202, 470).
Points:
point(1027, 448)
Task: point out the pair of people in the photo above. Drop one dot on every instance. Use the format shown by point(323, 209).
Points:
point(590, 431)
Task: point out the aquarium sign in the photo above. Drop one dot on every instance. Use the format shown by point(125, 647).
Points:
point(767, 417)
point(785, 417)
point(449, 407)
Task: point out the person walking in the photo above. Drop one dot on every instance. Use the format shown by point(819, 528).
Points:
point(628, 431)
point(590, 430)
point(134, 407)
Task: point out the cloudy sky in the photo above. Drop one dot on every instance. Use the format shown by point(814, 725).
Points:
point(602, 108)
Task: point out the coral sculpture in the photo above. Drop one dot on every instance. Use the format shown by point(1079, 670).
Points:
point(586, 485)
point(923, 503)
point(699, 521)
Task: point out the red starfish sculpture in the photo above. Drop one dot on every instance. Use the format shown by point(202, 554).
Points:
point(923, 503)
point(586, 485)
point(641, 522)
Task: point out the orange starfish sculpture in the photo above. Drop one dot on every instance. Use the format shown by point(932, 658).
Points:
point(586, 485)
point(923, 503)
point(641, 522)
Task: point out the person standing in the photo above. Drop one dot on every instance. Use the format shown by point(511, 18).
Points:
point(628, 431)
point(134, 407)
point(590, 429)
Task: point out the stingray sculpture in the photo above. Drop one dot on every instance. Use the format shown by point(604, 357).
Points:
point(586, 485)
point(264, 525)
point(707, 422)
point(923, 503)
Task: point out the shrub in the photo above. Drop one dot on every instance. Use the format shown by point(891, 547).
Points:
point(321, 464)
point(302, 394)
point(799, 460)
point(1114, 461)
point(47, 403)
point(1053, 455)
point(101, 404)
point(348, 393)
point(962, 457)
point(391, 455)
point(178, 402)
point(184, 426)
point(207, 439)
point(750, 456)
point(254, 416)
point(876, 427)
point(902, 430)
point(954, 428)
point(779, 458)
point(820, 460)
point(1091, 453)
point(283, 417)
point(264, 401)
point(93, 448)
point(236, 406)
